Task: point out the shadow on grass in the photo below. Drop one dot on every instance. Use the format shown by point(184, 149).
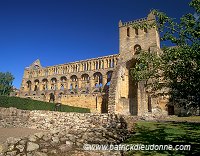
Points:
point(167, 134)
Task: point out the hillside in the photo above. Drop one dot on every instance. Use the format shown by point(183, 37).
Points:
point(29, 104)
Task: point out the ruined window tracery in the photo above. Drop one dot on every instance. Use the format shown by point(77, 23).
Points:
point(45, 84)
point(53, 84)
point(29, 83)
point(36, 87)
point(98, 79)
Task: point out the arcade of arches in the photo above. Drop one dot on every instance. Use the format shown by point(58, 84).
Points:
point(83, 84)
point(102, 84)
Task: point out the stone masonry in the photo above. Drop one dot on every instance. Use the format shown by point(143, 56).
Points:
point(101, 84)
point(64, 133)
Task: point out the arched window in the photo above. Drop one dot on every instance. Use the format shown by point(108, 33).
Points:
point(73, 78)
point(128, 32)
point(76, 88)
point(53, 83)
point(98, 79)
point(136, 31)
point(63, 79)
point(36, 87)
point(109, 75)
point(145, 30)
point(53, 80)
point(61, 87)
point(85, 77)
point(137, 49)
point(97, 65)
point(60, 95)
point(71, 87)
point(29, 85)
point(45, 84)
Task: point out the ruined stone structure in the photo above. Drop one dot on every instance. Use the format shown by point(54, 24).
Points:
point(63, 133)
point(102, 84)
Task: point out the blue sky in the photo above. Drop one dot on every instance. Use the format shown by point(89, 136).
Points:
point(61, 31)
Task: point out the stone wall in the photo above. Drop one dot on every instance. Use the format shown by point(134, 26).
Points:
point(79, 83)
point(64, 132)
point(49, 120)
point(91, 101)
point(125, 95)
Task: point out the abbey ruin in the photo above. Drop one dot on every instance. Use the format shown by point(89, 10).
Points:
point(102, 84)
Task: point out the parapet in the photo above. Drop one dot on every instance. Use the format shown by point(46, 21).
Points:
point(123, 24)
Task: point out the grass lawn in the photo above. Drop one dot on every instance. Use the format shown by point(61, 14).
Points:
point(29, 104)
point(186, 119)
point(148, 133)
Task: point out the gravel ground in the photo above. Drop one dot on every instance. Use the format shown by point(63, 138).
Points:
point(15, 132)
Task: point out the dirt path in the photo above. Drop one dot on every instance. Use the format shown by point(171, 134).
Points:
point(15, 132)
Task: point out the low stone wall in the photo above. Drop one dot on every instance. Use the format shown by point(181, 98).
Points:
point(49, 120)
point(66, 132)
point(91, 101)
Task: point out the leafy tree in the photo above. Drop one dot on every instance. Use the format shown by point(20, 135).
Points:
point(175, 70)
point(6, 80)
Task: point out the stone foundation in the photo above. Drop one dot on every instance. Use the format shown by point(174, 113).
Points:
point(66, 133)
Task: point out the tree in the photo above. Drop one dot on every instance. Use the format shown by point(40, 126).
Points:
point(6, 80)
point(175, 69)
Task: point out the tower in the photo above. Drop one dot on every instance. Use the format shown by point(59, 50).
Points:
point(130, 38)
point(127, 96)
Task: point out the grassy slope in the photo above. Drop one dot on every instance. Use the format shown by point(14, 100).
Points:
point(29, 104)
point(166, 133)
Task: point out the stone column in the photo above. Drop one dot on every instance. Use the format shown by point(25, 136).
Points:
point(97, 64)
point(40, 86)
point(68, 84)
point(91, 82)
point(90, 65)
point(81, 67)
point(49, 85)
point(79, 82)
point(107, 63)
point(104, 80)
point(32, 86)
point(78, 67)
point(58, 85)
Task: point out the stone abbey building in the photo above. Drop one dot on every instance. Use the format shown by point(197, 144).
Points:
point(102, 84)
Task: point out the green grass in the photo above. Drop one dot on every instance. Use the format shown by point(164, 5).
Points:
point(29, 104)
point(148, 133)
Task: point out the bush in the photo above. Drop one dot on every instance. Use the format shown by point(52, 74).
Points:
point(29, 104)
